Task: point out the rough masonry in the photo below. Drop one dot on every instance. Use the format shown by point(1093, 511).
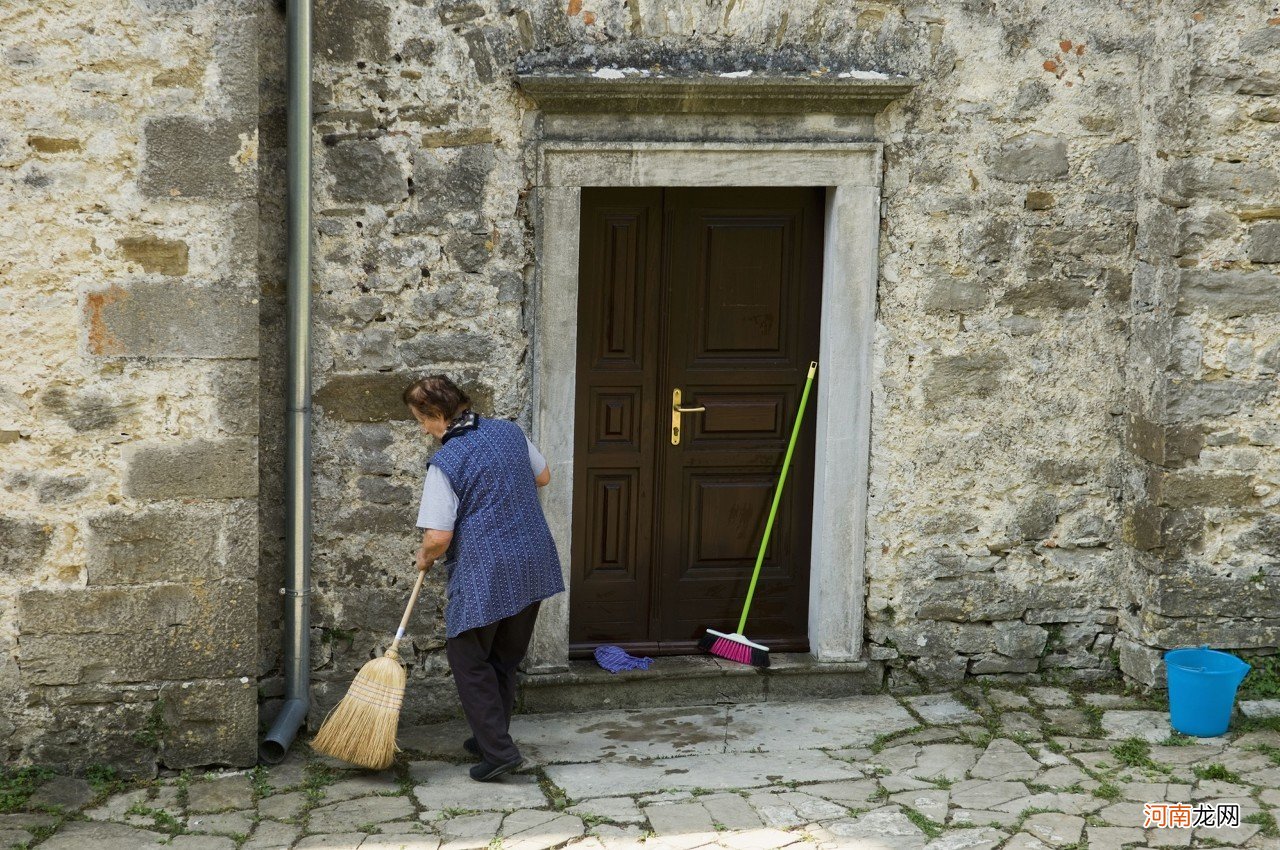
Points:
point(1074, 448)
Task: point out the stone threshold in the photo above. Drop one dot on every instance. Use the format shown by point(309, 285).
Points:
point(683, 680)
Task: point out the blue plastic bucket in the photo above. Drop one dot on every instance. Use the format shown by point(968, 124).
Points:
point(1202, 689)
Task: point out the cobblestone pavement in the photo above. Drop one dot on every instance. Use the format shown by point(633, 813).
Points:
point(1025, 769)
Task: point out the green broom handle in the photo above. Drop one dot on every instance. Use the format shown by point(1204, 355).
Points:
point(777, 495)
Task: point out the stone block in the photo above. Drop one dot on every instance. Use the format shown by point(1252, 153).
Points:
point(235, 51)
point(1264, 242)
point(1142, 663)
point(209, 722)
point(1199, 593)
point(1117, 163)
point(83, 410)
point(451, 180)
point(470, 251)
point(1030, 158)
point(377, 398)
point(365, 173)
point(152, 319)
point(1232, 182)
point(955, 295)
point(382, 491)
point(1035, 518)
point(1197, 488)
point(1164, 445)
point(972, 599)
point(972, 374)
point(1196, 231)
point(365, 398)
point(1263, 536)
point(235, 387)
point(217, 639)
point(1049, 294)
point(1037, 200)
point(52, 144)
point(933, 672)
point(111, 610)
point(1148, 527)
point(23, 544)
point(458, 347)
point(1264, 40)
point(163, 256)
point(479, 53)
point(1016, 639)
point(199, 469)
point(1260, 84)
point(1198, 400)
point(985, 664)
point(364, 447)
point(347, 31)
point(188, 156)
point(1230, 630)
point(1228, 293)
point(155, 544)
point(510, 287)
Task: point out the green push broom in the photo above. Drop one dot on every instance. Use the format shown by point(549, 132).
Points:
point(735, 647)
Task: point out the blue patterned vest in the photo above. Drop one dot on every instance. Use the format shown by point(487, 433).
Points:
point(502, 558)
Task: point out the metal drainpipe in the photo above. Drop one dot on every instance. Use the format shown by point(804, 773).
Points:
point(297, 589)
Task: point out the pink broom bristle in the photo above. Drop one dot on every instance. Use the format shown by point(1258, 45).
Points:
point(731, 650)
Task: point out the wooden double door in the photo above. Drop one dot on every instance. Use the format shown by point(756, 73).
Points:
point(714, 293)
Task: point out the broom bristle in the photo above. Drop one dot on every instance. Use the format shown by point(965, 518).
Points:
point(735, 648)
point(361, 729)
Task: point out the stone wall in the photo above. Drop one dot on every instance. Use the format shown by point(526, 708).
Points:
point(1074, 457)
point(1013, 379)
point(1202, 518)
point(128, 419)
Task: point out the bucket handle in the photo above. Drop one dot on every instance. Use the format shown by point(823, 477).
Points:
point(1206, 647)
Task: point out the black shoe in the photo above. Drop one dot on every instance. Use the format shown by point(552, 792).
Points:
point(487, 770)
point(472, 747)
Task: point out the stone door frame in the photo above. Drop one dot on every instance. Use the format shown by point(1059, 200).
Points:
point(842, 396)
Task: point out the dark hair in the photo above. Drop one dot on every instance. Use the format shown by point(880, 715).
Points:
point(435, 395)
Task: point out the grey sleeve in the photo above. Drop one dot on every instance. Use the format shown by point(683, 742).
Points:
point(439, 507)
point(536, 460)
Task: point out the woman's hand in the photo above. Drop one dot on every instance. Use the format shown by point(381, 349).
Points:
point(434, 544)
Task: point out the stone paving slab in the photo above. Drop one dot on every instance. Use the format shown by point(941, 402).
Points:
point(82, 835)
point(647, 733)
point(441, 785)
point(219, 795)
point(818, 775)
point(942, 709)
point(615, 809)
point(1260, 708)
point(731, 770)
point(829, 724)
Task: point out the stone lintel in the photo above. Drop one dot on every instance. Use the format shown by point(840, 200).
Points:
point(760, 95)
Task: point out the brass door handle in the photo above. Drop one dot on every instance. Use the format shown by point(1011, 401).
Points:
point(676, 410)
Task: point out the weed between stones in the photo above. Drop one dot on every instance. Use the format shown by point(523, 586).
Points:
point(1133, 752)
point(17, 785)
point(1215, 771)
point(929, 827)
point(1267, 821)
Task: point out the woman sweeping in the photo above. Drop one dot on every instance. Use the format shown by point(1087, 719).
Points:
point(480, 511)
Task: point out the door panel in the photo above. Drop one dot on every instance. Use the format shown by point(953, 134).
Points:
point(616, 413)
point(727, 284)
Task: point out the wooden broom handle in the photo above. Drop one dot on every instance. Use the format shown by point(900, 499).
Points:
point(404, 621)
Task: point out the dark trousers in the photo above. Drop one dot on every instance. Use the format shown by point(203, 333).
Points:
point(484, 662)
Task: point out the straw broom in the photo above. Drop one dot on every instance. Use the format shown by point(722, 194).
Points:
point(361, 729)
